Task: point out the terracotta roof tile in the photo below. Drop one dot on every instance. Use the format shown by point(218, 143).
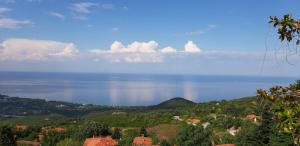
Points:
point(100, 141)
point(142, 141)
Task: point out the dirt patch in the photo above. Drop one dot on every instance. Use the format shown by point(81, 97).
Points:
point(164, 131)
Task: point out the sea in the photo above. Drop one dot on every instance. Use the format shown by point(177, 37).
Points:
point(132, 89)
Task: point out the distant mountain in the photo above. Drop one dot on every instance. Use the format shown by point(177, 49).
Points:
point(177, 102)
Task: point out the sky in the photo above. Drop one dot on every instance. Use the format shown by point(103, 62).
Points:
point(212, 37)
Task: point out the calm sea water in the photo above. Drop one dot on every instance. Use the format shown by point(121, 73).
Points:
point(131, 89)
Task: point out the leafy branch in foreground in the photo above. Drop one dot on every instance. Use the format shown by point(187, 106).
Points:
point(288, 28)
point(285, 107)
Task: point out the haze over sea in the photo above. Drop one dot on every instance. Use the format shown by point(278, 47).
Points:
point(131, 89)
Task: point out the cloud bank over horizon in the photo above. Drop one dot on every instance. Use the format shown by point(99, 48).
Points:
point(136, 57)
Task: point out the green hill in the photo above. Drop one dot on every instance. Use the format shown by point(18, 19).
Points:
point(175, 103)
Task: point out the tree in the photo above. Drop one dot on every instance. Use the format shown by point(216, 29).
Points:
point(128, 137)
point(247, 136)
point(285, 108)
point(116, 134)
point(143, 131)
point(288, 28)
point(194, 135)
point(265, 129)
point(51, 138)
point(7, 136)
point(92, 128)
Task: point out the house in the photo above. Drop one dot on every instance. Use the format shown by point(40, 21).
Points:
point(100, 141)
point(59, 130)
point(177, 118)
point(21, 127)
point(142, 141)
point(193, 121)
point(233, 130)
point(40, 137)
point(204, 125)
point(252, 117)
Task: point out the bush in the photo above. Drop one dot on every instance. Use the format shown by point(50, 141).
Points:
point(194, 135)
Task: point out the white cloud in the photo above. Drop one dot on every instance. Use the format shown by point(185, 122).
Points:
point(139, 52)
point(168, 50)
point(141, 47)
point(3, 9)
point(83, 7)
point(10, 23)
point(191, 47)
point(135, 52)
point(58, 15)
point(27, 49)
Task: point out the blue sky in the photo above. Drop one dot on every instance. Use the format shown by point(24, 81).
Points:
point(204, 37)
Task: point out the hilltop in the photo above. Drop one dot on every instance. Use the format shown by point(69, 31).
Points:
point(176, 103)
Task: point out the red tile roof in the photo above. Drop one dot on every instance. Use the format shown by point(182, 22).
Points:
point(142, 141)
point(100, 141)
point(59, 130)
point(251, 116)
point(40, 136)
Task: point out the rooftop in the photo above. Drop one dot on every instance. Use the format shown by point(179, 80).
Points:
point(100, 141)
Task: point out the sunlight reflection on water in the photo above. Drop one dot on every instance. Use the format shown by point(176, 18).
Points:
point(125, 89)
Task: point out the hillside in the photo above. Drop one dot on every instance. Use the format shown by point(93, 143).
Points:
point(175, 103)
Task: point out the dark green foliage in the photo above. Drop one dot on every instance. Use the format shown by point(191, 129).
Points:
point(51, 138)
point(194, 135)
point(128, 137)
point(7, 136)
point(164, 143)
point(288, 28)
point(297, 84)
point(117, 134)
point(247, 136)
point(266, 125)
point(227, 138)
point(154, 137)
point(280, 139)
point(28, 134)
point(175, 103)
point(92, 128)
point(27, 107)
point(143, 131)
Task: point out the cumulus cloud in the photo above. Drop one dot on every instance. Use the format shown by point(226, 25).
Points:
point(3, 10)
point(10, 23)
point(83, 7)
point(191, 47)
point(135, 52)
point(141, 52)
point(27, 49)
point(140, 47)
point(168, 50)
point(58, 15)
